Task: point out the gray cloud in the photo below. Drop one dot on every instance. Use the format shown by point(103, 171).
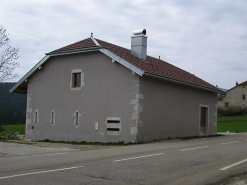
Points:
point(206, 38)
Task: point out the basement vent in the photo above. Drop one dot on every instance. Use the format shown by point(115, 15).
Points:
point(113, 121)
point(113, 129)
point(113, 126)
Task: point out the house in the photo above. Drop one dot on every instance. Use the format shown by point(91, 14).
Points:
point(235, 97)
point(93, 90)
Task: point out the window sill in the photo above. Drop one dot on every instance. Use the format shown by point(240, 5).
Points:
point(75, 88)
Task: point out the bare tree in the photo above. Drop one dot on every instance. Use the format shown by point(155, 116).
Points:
point(8, 57)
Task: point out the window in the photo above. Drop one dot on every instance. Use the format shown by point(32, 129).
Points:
point(243, 105)
point(226, 104)
point(77, 118)
point(243, 97)
point(36, 117)
point(113, 126)
point(52, 118)
point(76, 80)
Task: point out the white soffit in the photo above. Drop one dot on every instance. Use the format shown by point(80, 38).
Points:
point(122, 61)
point(95, 41)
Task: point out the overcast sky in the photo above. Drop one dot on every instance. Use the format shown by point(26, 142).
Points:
point(206, 38)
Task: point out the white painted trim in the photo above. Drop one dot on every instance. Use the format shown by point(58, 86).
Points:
point(207, 121)
point(95, 41)
point(122, 61)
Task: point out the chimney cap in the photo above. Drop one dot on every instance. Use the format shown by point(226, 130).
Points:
point(140, 32)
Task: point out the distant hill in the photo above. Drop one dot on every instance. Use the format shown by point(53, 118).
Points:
point(12, 105)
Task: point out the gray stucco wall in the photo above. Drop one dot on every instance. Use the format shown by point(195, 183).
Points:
point(173, 110)
point(107, 91)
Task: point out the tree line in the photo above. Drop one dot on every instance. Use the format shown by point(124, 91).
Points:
point(12, 105)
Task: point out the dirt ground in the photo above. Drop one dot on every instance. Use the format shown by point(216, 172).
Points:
point(237, 180)
point(62, 145)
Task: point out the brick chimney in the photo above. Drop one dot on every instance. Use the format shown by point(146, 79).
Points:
point(236, 83)
point(139, 44)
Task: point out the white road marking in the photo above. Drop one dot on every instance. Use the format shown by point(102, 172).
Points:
point(235, 164)
point(33, 173)
point(34, 155)
point(194, 148)
point(229, 142)
point(137, 157)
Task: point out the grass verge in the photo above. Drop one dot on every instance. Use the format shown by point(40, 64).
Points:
point(235, 124)
point(198, 137)
point(121, 143)
point(12, 129)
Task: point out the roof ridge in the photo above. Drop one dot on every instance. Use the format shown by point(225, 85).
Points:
point(75, 43)
point(192, 75)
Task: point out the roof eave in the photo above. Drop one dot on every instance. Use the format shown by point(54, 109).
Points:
point(48, 55)
point(183, 83)
point(28, 74)
point(97, 48)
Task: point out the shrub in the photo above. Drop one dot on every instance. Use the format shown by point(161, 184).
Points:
point(232, 111)
point(2, 128)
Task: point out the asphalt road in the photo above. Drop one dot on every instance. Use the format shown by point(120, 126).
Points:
point(199, 162)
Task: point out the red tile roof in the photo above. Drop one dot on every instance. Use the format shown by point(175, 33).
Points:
point(243, 84)
point(153, 66)
point(87, 43)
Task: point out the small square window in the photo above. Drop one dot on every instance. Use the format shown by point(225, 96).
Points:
point(76, 80)
point(243, 97)
point(226, 104)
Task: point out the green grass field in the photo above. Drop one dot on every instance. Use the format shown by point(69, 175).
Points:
point(232, 123)
point(12, 129)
